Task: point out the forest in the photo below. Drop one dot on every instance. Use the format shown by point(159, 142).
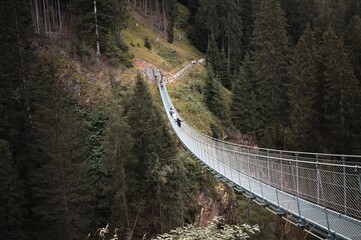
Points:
point(70, 165)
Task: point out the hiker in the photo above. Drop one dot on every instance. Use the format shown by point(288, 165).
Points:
point(179, 122)
point(171, 111)
point(175, 116)
point(161, 83)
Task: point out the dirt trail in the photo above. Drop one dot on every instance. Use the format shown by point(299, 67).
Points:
point(167, 76)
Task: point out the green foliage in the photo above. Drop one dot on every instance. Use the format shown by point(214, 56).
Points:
point(341, 94)
point(169, 54)
point(111, 17)
point(244, 103)
point(302, 93)
point(60, 188)
point(172, 14)
point(217, 229)
point(12, 197)
point(154, 172)
point(300, 13)
point(212, 94)
point(270, 64)
point(197, 31)
point(117, 162)
point(147, 43)
point(352, 42)
point(117, 51)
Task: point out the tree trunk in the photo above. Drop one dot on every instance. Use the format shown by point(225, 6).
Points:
point(157, 8)
point(145, 8)
point(96, 29)
point(53, 11)
point(164, 20)
point(59, 16)
point(23, 69)
point(229, 57)
point(135, 222)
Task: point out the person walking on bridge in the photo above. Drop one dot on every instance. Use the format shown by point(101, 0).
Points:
point(179, 122)
point(171, 111)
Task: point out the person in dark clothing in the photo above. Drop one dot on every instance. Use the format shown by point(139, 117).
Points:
point(171, 111)
point(179, 122)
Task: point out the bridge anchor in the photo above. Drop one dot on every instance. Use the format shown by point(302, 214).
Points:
point(301, 224)
point(280, 212)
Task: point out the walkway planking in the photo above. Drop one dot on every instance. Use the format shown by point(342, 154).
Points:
point(338, 226)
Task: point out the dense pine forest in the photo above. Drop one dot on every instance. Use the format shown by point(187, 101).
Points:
point(76, 157)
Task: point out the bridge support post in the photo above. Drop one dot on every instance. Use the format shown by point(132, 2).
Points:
point(268, 167)
point(300, 222)
point(344, 185)
point(249, 172)
point(322, 195)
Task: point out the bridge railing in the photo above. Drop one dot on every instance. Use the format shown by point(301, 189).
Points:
point(329, 180)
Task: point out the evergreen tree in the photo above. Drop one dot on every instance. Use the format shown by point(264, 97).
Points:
point(12, 199)
point(341, 95)
point(352, 41)
point(212, 94)
point(213, 56)
point(233, 28)
point(299, 13)
point(117, 162)
point(61, 193)
point(154, 151)
point(111, 16)
point(302, 93)
point(244, 102)
point(197, 31)
point(172, 14)
point(270, 63)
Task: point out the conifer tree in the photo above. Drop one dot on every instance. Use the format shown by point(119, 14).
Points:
point(212, 94)
point(270, 63)
point(233, 28)
point(244, 102)
point(172, 14)
point(12, 198)
point(197, 31)
point(213, 56)
point(341, 94)
point(60, 190)
point(117, 162)
point(352, 41)
point(154, 151)
point(299, 13)
point(302, 93)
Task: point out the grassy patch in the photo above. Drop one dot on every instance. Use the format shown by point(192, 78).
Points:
point(162, 54)
point(187, 96)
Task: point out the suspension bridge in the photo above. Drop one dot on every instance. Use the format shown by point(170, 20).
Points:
point(320, 193)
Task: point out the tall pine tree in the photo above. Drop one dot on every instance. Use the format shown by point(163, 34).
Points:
point(244, 102)
point(61, 193)
point(12, 198)
point(270, 63)
point(352, 41)
point(154, 151)
point(302, 93)
point(117, 163)
point(341, 95)
point(212, 94)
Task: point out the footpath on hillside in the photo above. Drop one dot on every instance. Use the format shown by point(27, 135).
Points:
point(152, 72)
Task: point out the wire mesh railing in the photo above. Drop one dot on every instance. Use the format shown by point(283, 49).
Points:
point(323, 189)
point(297, 173)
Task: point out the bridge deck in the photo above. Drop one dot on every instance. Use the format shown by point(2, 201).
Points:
point(334, 224)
